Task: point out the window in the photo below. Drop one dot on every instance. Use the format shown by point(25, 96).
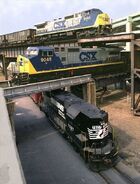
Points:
point(62, 49)
point(69, 17)
point(77, 15)
point(46, 53)
point(63, 59)
point(56, 49)
point(50, 53)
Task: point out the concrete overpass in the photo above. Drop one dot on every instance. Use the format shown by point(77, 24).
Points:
point(129, 24)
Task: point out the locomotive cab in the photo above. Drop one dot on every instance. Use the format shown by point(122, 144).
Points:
point(36, 60)
point(103, 24)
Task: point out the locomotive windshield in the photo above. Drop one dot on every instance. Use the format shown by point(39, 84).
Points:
point(96, 128)
point(45, 53)
point(83, 122)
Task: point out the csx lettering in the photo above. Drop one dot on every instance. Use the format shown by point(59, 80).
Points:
point(87, 56)
point(60, 24)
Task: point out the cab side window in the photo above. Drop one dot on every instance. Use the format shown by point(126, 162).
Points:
point(46, 53)
point(50, 53)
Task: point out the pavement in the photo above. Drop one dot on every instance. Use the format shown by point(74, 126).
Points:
point(46, 156)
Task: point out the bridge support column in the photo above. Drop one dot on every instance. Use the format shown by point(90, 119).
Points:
point(89, 92)
point(68, 88)
point(4, 65)
point(128, 30)
point(10, 107)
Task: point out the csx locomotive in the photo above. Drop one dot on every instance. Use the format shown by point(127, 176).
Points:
point(85, 125)
point(89, 23)
point(43, 63)
point(86, 23)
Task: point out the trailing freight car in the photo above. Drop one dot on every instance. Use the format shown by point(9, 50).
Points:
point(86, 126)
point(43, 63)
point(85, 23)
point(18, 37)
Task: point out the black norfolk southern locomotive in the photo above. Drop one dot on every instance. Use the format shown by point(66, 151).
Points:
point(85, 125)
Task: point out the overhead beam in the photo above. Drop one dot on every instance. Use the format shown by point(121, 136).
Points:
point(111, 38)
point(118, 24)
point(45, 86)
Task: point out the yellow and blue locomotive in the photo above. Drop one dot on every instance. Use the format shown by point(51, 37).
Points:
point(85, 23)
point(45, 63)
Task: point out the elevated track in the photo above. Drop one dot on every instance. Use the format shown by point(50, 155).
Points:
point(22, 90)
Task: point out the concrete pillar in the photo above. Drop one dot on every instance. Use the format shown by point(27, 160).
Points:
point(89, 92)
point(10, 107)
point(68, 88)
point(84, 88)
point(132, 76)
point(128, 30)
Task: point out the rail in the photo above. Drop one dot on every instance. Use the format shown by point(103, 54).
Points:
point(111, 38)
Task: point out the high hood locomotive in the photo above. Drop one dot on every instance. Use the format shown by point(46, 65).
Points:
point(85, 125)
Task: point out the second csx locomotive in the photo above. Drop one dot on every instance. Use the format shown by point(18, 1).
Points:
point(43, 63)
point(86, 23)
point(89, 23)
point(85, 125)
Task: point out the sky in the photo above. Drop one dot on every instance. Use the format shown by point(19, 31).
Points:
point(16, 15)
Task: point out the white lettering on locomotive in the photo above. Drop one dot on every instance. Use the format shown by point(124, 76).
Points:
point(57, 104)
point(47, 59)
point(98, 131)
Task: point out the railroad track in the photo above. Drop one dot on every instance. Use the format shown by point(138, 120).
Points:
point(120, 174)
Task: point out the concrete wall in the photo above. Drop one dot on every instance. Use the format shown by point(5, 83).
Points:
point(10, 166)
